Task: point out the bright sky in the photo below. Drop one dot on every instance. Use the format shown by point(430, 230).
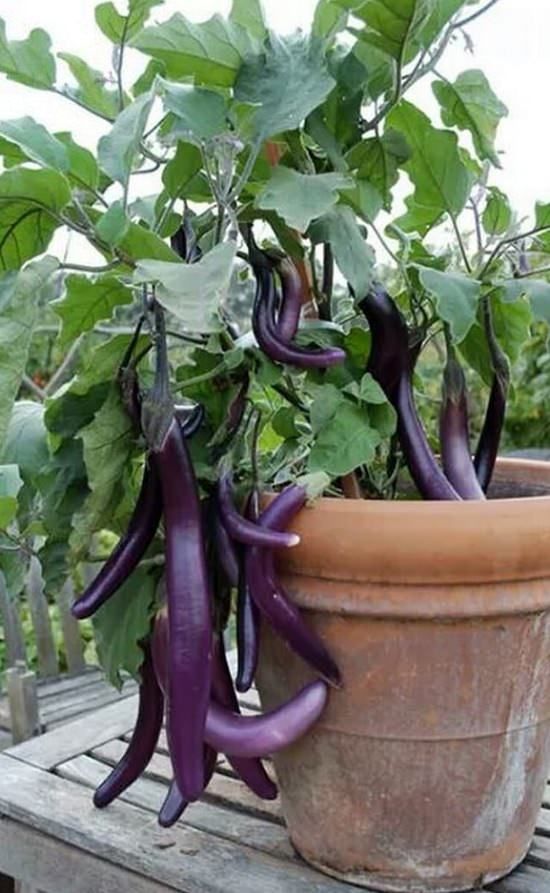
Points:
point(510, 44)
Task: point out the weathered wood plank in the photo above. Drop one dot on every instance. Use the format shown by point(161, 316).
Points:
point(13, 633)
point(59, 868)
point(69, 741)
point(51, 688)
point(182, 858)
point(23, 702)
point(221, 790)
point(67, 709)
point(74, 648)
point(45, 645)
point(215, 819)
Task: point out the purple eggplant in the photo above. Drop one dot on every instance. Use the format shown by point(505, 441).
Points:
point(175, 805)
point(248, 632)
point(144, 739)
point(190, 604)
point(226, 550)
point(242, 530)
point(291, 304)
point(455, 435)
point(131, 548)
point(390, 364)
point(489, 441)
point(190, 420)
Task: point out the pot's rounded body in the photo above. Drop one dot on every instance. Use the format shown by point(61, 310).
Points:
point(427, 772)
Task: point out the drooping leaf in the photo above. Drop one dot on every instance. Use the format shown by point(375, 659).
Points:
point(120, 28)
point(26, 443)
point(300, 198)
point(140, 242)
point(512, 324)
point(345, 442)
point(365, 200)
point(377, 160)
point(122, 623)
point(456, 296)
point(192, 292)
point(497, 214)
point(114, 224)
point(536, 290)
point(28, 61)
point(394, 26)
point(30, 201)
point(470, 104)
point(287, 81)
point(249, 14)
point(91, 90)
point(36, 142)
point(210, 52)
point(380, 69)
point(86, 302)
point(442, 13)
point(542, 215)
point(117, 150)
point(475, 351)
point(147, 78)
point(200, 114)
point(182, 169)
point(83, 169)
point(329, 18)
point(20, 295)
point(441, 179)
point(10, 485)
point(354, 258)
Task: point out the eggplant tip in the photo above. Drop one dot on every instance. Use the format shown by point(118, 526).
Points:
point(293, 540)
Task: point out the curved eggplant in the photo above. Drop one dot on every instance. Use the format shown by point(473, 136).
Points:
point(226, 550)
point(455, 435)
point(244, 531)
point(489, 440)
point(175, 805)
point(291, 304)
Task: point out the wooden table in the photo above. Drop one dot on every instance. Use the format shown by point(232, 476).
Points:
point(53, 839)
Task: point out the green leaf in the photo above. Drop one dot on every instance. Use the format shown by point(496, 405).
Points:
point(377, 161)
point(249, 14)
point(29, 203)
point(536, 290)
point(108, 443)
point(456, 296)
point(470, 104)
point(10, 485)
point(497, 214)
point(86, 302)
point(91, 91)
point(512, 325)
point(20, 295)
point(99, 365)
point(287, 82)
point(122, 623)
point(300, 198)
point(329, 19)
point(344, 443)
point(365, 200)
point(328, 400)
point(542, 215)
point(441, 179)
point(367, 390)
point(117, 151)
point(354, 258)
point(113, 225)
point(394, 26)
point(26, 443)
point(140, 242)
point(441, 15)
point(36, 142)
point(181, 171)
point(121, 28)
point(475, 351)
point(83, 169)
point(379, 69)
point(200, 114)
point(28, 61)
point(147, 78)
point(192, 292)
point(210, 52)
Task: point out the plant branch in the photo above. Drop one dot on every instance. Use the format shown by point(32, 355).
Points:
point(59, 92)
point(120, 63)
point(529, 273)
point(475, 15)
point(57, 378)
point(510, 240)
point(33, 388)
point(84, 268)
point(460, 243)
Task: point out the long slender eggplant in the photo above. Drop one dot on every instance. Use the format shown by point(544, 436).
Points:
point(291, 303)
point(489, 440)
point(189, 613)
point(242, 530)
point(226, 549)
point(272, 601)
point(390, 365)
point(455, 434)
point(144, 739)
point(248, 617)
point(175, 805)
point(130, 549)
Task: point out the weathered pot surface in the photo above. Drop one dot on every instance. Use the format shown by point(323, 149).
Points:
point(426, 773)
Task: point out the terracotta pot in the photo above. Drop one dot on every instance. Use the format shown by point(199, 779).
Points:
point(426, 773)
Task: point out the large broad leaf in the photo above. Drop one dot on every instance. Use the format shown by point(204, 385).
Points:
point(210, 52)
point(122, 624)
point(86, 302)
point(26, 443)
point(20, 296)
point(354, 258)
point(379, 69)
point(36, 142)
point(249, 14)
point(30, 201)
point(10, 485)
point(287, 82)
point(108, 442)
point(182, 169)
point(394, 26)
point(456, 296)
point(28, 61)
point(120, 28)
point(92, 91)
point(346, 441)
point(142, 243)
point(300, 198)
point(117, 150)
point(377, 161)
point(441, 179)
point(99, 364)
point(536, 290)
point(200, 114)
point(329, 18)
point(83, 169)
point(497, 214)
point(470, 104)
point(512, 325)
point(192, 292)
point(114, 224)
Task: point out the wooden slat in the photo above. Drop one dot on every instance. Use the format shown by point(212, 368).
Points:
point(221, 790)
point(45, 645)
point(215, 819)
point(63, 711)
point(23, 701)
point(74, 648)
point(69, 741)
point(53, 687)
point(13, 633)
point(183, 859)
point(59, 868)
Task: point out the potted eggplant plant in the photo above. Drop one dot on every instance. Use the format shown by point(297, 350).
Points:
point(284, 419)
